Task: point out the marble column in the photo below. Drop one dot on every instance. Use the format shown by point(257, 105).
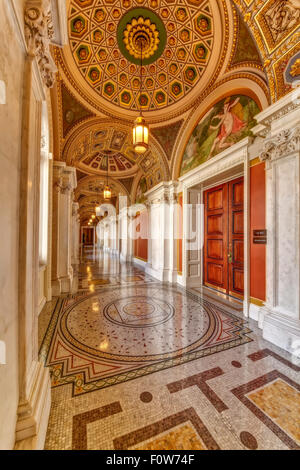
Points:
point(162, 245)
point(280, 317)
point(173, 232)
point(124, 225)
point(64, 179)
point(100, 235)
point(75, 233)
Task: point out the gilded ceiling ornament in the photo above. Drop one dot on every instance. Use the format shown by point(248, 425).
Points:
point(282, 17)
point(139, 31)
point(106, 46)
point(277, 19)
point(137, 27)
point(295, 69)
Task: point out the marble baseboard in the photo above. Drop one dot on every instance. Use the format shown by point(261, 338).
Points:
point(141, 263)
point(254, 311)
point(282, 331)
point(125, 258)
point(41, 304)
point(62, 285)
point(33, 416)
point(56, 287)
point(163, 275)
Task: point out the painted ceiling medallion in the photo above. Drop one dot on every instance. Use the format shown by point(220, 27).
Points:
point(178, 49)
point(141, 26)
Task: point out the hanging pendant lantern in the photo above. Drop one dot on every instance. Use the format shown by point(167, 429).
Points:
point(107, 190)
point(140, 135)
point(140, 131)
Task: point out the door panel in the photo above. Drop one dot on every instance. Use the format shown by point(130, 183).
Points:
point(215, 199)
point(215, 224)
point(215, 239)
point(238, 222)
point(236, 237)
point(215, 249)
point(215, 274)
point(238, 251)
point(238, 191)
point(224, 237)
point(237, 281)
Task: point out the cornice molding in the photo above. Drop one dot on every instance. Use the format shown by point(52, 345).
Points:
point(281, 108)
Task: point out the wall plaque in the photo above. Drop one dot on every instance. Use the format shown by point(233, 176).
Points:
point(259, 233)
point(260, 237)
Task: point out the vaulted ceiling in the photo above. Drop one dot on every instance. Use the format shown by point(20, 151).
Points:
point(194, 52)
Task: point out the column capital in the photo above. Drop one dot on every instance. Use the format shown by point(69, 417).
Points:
point(39, 32)
point(281, 145)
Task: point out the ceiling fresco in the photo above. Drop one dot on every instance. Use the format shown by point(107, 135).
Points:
point(89, 195)
point(191, 49)
point(104, 148)
point(102, 143)
point(275, 27)
point(73, 112)
point(245, 50)
point(177, 46)
point(166, 136)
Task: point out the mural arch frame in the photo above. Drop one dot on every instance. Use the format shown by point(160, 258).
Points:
point(234, 85)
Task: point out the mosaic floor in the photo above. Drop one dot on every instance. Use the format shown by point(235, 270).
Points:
point(137, 364)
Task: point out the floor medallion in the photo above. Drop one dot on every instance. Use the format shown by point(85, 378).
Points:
point(118, 333)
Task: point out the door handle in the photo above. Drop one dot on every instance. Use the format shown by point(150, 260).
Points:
point(229, 257)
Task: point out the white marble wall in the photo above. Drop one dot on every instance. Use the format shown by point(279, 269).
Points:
point(11, 74)
point(280, 317)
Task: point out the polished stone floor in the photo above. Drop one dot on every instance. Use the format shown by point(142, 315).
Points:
point(137, 364)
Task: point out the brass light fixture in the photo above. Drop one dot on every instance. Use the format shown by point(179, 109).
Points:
point(107, 190)
point(140, 129)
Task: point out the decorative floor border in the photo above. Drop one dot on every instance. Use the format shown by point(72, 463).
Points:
point(79, 383)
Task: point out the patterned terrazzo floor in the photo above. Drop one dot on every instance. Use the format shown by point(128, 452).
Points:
point(137, 364)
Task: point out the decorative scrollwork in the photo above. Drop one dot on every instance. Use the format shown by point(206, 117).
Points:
point(38, 34)
point(283, 144)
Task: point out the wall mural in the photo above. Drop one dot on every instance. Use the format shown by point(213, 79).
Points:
point(141, 190)
point(228, 122)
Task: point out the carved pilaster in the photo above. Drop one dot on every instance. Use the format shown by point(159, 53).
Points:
point(39, 33)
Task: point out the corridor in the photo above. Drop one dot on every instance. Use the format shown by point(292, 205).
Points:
point(150, 209)
point(140, 364)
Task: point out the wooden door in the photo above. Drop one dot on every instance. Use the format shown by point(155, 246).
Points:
point(216, 237)
point(224, 238)
point(236, 238)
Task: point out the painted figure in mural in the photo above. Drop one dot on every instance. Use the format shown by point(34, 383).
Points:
point(229, 123)
point(282, 17)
